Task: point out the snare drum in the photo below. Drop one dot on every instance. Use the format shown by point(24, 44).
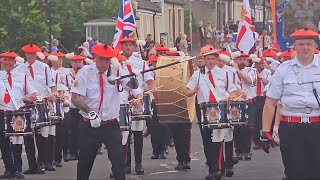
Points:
point(143, 111)
point(18, 123)
point(237, 112)
point(214, 115)
point(124, 119)
point(54, 111)
point(38, 113)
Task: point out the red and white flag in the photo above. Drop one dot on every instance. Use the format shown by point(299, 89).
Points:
point(245, 40)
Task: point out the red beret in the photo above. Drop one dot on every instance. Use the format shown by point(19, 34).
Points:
point(304, 34)
point(162, 48)
point(77, 58)
point(9, 54)
point(269, 53)
point(287, 54)
point(127, 39)
point(121, 58)
point(244, 54)
point(224, 51)
point(31, 48)
point(172, 53)
point(153, 58)
point(103, 50)
point(58, 54)
point(45, 53)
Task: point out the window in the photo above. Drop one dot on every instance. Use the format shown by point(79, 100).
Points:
point(179, 20)
point(170, 26)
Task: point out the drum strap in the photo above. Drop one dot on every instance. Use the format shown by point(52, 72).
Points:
point(212, 89)
point(13, 99)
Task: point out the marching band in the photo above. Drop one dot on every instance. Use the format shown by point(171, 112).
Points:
point(68, 113)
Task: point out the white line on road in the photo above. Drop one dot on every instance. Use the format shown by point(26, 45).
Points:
point(163, 172)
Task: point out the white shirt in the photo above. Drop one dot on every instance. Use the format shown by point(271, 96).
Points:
point(266, 76)
point(274, 65)
point(222, 88)
point(62, 78)
point(125, 93)
point(42, 76)
point(233, 76)
point(141, 65)
point(87, 84)
point(249, 87)
point(284, 86)
point(19, 88)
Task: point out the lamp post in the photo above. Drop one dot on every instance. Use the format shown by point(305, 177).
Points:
point(190, 24)
point(47, 5)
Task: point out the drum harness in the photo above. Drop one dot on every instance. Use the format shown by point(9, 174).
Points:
point(13, 99)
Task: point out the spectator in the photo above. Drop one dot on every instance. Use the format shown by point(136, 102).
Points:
point(91, 43)
point(55, 44)
point(229, 45)
point(201, 31)
point(148, 46)
point(183, 45)
point(177, 42)
point(85, 50)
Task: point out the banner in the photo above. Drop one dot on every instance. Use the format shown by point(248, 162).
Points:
point(291, 15)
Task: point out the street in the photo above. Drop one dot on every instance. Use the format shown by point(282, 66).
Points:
point(262, 166)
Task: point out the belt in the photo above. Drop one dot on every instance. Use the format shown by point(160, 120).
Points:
point(306, 110)
point(107, 122)
point(294, 119)
point(250, 101)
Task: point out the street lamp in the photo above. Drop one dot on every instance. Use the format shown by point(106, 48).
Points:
point(47, 5)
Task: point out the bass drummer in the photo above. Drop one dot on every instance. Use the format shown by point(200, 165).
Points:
point(13, 91)
point(210, 84)
point(145, 80)
point(40, 77)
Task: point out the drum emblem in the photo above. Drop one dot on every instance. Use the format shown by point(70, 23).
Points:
point(213, 115)
point(18, 124)
point(235, 113)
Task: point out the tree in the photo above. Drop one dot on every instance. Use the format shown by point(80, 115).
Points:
point(187, 20)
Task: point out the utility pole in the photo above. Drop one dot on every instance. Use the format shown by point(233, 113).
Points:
point(163, 25)
point(190, 24)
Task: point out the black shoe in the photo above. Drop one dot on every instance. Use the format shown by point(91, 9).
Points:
point(171, 143)
point(128, 170)
point(111, 175)
point(186, 165)
point(73, 157)
point(57, 164)
point(166, 150)
point(155, 156)
point(256, 147)
point(285, 178)
point(235, 161)
point(210, 177)
point(66, 157)
point(163, 155)
point(239, 156)
point(7, 175)
point(247, 156)
point(217, 175)
point(147, 133)
point(33, 171)
point(229, 172)
point(180, 166)
point(50, 167)
point(18, 175)
point(42, 166)
point(139, 169)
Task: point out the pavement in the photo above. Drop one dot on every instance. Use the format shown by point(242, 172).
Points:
point(262, 166)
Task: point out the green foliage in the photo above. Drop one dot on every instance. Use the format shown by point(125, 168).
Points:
point(187, 20)
point(27, 21)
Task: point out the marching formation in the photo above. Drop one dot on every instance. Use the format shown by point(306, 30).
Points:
point(238, 98)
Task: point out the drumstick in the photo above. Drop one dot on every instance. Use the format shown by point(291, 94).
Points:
point(6, 107)
point(152, 90)
point(237, 98)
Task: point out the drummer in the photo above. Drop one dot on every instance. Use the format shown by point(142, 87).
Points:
point(212, 88)
point(40, 77)
point(247, 78)
point(12, 100)
point(128, 46)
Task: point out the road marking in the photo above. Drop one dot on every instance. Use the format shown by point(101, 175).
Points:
point(163, 172)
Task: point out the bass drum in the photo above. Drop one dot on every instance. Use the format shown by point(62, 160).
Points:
point(172, 105)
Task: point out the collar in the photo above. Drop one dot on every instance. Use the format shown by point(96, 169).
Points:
point(315, 62)
point(96, 71)
point(206, 70)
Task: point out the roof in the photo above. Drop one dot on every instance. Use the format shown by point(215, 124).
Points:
point(101, 22)
point(149, 6)
point(177, 2)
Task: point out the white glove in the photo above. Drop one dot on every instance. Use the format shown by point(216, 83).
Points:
point(275, 134)
point(111, 80)
point(136, 72)
point(95, 120)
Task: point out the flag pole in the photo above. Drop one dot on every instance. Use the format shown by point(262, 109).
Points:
point(142, 56)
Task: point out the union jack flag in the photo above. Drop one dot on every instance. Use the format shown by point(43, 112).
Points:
point(126, 23)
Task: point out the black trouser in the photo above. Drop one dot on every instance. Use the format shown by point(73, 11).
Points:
point(138, 146)
point(215, 158)
point(181, 133)
point(205, 135)
point(45, 147)
point(59, 142)
point(300, 149)
point(31, 151)
point(158, 133)
point(17, 161)
point(5, 147)
point(90, 140)
point(241, 134)
point(72, 120)
point(257, 117)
